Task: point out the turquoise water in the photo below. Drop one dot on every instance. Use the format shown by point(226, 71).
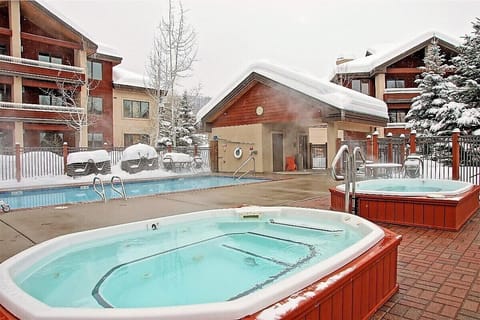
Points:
point(62, 195)
point(193, 263)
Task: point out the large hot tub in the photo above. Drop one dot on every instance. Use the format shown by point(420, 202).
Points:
point(442, 204)
point(219, 264)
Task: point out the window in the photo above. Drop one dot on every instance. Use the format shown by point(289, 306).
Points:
point(396, 115)
point(50, 100)
point(130, 139)
point(361, 86)
point(135, 109)
point(95, 105)
point(3, 49)
point(51, 139)
point(45, 57)
point(95, 140)
point(395, 83)
point(94, 70)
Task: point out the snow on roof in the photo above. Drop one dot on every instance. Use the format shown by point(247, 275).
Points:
point(385, 53)
point(128, 78)
point(107, 50)
point(84, 156)
point(137, 151)
point(66, 20)
point(321, 89)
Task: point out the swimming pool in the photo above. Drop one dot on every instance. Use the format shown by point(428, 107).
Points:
point(21, 199)
point(217, 264)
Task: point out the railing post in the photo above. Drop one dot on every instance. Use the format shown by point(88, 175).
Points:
point(455, 154)
point(375, 146)
point(402, 149)
point(195, 150)
point(413, 141)
point(390, 148)
point(169, 148)
point(369, 147)
point(18, 164)
point(65, 155)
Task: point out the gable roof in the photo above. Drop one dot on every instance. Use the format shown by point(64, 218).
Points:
point(341, 100)
point(383, 56)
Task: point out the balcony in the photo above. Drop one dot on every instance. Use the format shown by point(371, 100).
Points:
point(41, 70)
point(400, 95)
point(26, 111)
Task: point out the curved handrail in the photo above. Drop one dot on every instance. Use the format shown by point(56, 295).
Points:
point(121, 192)
point(348, 168)
point(353, 178)
point(341, 150)
point(102, 192)
point(250, 158)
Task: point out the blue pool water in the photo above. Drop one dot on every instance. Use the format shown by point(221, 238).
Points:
point(145, 269)
point(22, 199)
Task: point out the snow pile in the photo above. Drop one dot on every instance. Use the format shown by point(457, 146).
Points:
point(85, 156)
point(125, 77)
point(138, 151)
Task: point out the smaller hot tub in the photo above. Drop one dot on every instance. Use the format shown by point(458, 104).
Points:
point(440, 204)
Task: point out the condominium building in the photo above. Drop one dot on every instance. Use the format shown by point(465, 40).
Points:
point(56, 83)
point(389, 72)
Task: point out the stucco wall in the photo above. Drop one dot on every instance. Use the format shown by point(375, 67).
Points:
point(130, 125)
point(244, 137)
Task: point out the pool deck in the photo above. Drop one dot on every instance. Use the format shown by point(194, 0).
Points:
point(438, 271)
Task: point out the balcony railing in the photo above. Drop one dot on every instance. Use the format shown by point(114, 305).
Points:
point(36, 63)
point(39, 107)
point(402, 90)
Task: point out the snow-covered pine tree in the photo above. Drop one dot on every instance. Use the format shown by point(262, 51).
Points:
point(185, 121)
point(434, 91)
point(466, 93)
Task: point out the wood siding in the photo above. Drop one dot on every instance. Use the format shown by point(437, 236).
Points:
point(449, 213)
point(278, 106)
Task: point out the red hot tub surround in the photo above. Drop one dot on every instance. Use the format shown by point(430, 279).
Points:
point(449, 212)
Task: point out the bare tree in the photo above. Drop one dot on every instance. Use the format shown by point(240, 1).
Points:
point(173, 54)
point(75, 115)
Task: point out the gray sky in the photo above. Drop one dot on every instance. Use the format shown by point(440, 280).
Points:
point(307, 35)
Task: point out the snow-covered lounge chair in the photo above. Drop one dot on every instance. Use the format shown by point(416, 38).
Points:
point(139, 157)
point(83, 163)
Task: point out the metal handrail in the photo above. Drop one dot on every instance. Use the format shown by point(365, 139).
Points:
point(121, 192)
point(102, 192)
point(250, 158)
point(353, 175)
point(343, 149)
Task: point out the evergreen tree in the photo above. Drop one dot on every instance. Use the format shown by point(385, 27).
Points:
point(185, 121)
point(434, 91)
point(464, 110)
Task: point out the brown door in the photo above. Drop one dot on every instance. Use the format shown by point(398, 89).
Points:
point(277, 148)
point(302, 161)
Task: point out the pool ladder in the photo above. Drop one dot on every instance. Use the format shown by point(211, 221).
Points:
point(350, 173)
point(101, 192)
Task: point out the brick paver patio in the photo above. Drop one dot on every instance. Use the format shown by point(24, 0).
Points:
point(438, 271)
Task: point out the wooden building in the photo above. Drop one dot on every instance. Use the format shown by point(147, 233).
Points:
point(40, 55)
point(276, 112)
point(389, 74)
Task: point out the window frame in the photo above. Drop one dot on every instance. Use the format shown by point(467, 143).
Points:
point(95, 143)
point(94, 70)
point(136, 109)
point(134, 138)
point(49, 58)
point(91, 105)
